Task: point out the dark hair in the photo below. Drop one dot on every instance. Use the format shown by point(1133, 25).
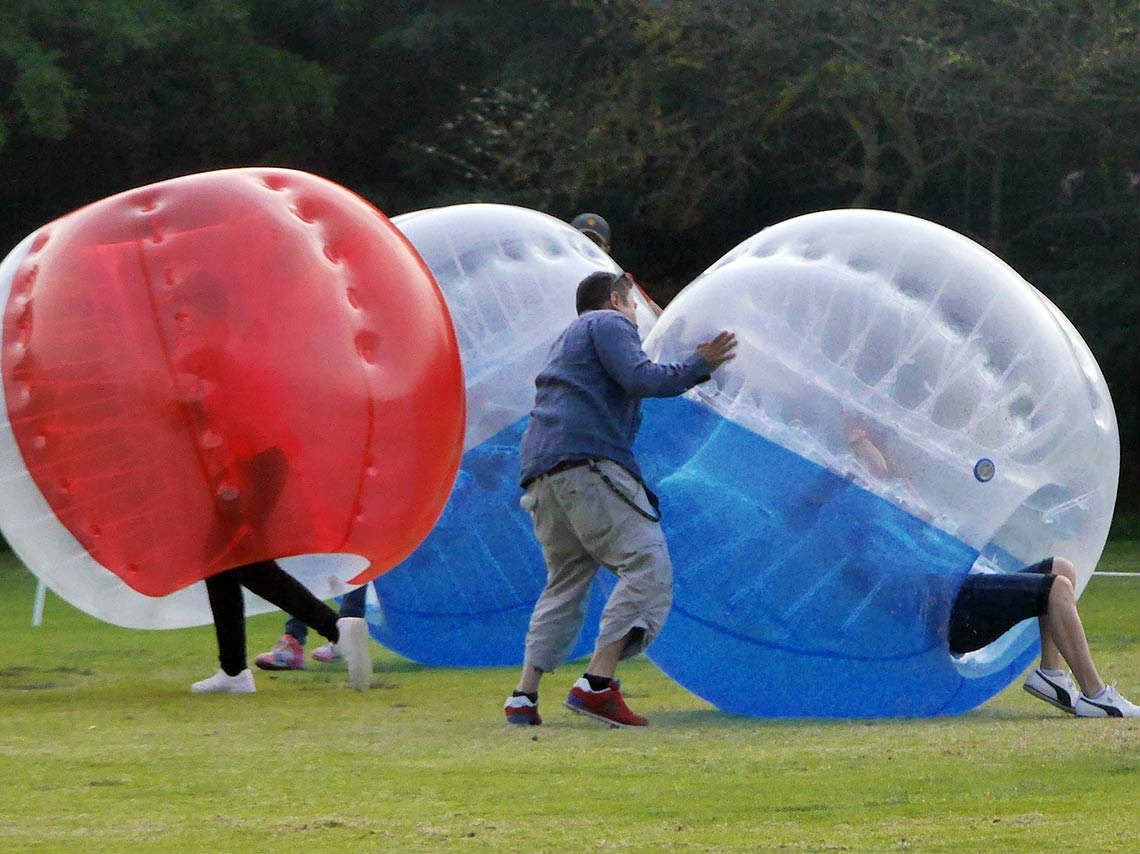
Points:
point(594, 290)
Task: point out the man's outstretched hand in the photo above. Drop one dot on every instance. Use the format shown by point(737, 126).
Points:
point(719, 350)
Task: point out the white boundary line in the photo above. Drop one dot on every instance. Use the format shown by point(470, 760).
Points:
point(1117, 574)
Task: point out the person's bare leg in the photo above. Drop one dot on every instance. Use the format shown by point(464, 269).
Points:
point(1063, 625)
point(1051, 658)
point(529, 679)
point(605, 660)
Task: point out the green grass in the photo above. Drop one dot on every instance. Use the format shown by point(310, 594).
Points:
point(104, 749)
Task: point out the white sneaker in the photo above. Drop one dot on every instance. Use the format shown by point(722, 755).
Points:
point(1108, 704)
point(353, 645)
point(222, 683)
point(1061, 692)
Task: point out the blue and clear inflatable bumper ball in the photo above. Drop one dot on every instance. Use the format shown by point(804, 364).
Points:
point(904, 409)
point(509, 276)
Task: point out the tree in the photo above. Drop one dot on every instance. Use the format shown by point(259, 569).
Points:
point(133, 92)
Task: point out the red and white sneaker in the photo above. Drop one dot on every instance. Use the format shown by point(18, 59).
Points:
point(521, 711)
point(286, 654)
point(606, 705)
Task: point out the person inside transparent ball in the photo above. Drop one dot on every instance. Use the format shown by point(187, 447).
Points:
point(247, 486)
point(866, 446)
point(988, 604)
point(991, 603)
point(595, 227)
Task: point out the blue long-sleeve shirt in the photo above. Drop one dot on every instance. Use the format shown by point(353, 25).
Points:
point(588, 397)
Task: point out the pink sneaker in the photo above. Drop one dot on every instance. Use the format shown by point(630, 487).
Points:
point(286, 654)
point(326, 653)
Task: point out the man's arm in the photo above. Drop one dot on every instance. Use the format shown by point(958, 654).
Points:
point(618, 346)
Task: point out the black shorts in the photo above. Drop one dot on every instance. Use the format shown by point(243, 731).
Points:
point(990, 604)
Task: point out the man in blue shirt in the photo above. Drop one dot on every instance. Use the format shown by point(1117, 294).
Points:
point(586, 497)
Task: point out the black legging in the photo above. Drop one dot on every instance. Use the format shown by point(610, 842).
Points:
point(274, 585)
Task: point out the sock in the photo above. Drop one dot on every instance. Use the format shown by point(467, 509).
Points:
point(1098, 694)
point(530, 695)
point(1052, 674)
point(597, 683)
point(235, 673)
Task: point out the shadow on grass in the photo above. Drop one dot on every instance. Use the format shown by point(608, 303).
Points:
point(24, 678)
point(712, 719)
point(400, 665)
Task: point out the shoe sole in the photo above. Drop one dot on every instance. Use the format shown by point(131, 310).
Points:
point(1052, 701)
point(269, 666)
point(1102, 711)
point(354, 650)
point(578, 710)
point(223, 691)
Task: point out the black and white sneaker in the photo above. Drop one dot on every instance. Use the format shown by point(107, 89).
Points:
point(1108, 704)
point(1062, 693)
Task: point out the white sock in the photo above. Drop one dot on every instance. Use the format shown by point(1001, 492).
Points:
point(1098, 694)
point(1052, 674)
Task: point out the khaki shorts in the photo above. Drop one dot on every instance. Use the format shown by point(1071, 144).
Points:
point(582, 524)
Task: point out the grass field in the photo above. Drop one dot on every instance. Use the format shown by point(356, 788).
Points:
point(104, 749)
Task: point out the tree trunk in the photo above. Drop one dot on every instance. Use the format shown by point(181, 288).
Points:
point(872, 179)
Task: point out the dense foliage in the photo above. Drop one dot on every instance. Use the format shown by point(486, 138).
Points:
point(689, 124)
